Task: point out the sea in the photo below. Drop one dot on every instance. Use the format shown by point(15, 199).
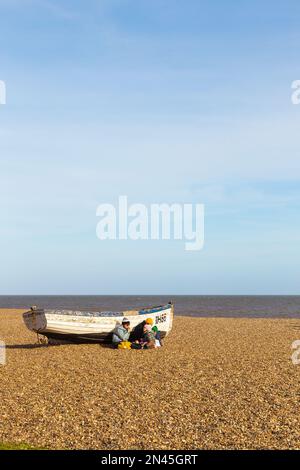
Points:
point(238, 306)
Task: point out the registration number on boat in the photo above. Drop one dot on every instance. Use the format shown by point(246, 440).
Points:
point(161, 318)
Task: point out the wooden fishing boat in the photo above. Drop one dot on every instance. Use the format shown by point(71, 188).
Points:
point(97, 327)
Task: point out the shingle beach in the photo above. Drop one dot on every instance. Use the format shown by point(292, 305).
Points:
point(217, 383)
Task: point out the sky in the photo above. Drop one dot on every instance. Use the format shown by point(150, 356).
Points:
point(164, 101)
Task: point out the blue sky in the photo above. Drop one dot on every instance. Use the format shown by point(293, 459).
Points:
point(163, 101)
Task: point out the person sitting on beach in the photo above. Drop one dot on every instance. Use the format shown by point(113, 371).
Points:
point(156, 332)
point(148, 339)
point(121, 332)
point(145, 336)
point(137, 335)
point(158, 341)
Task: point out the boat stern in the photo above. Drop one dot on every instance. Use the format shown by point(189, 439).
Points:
point(35, 319)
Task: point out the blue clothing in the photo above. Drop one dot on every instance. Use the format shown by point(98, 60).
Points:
point(120, 334)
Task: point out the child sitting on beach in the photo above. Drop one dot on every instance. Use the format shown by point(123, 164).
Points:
point(156, 332)
point(148, 338)
point(158, 342)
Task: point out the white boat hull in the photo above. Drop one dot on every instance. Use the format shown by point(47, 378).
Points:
point(77, 326)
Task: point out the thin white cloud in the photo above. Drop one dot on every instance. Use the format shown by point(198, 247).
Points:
point(52, 7)
point(254, 194)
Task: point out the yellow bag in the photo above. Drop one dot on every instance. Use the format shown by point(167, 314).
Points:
point(124, 345)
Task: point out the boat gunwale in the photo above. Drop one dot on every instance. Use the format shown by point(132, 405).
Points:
point(99, 314)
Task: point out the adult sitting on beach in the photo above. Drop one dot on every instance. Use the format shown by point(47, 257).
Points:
point(138, 332)
point(121, 332)
point(145, 336)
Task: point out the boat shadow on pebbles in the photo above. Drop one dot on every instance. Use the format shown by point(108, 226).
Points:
point(26, 346)
point(61, 342)
point(49, 344)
